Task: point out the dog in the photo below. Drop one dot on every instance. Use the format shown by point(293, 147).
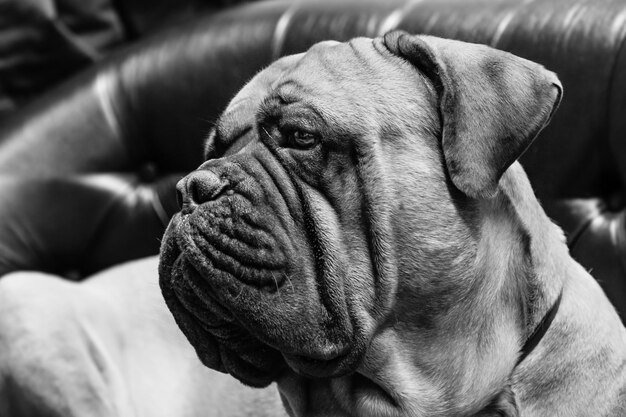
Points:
point(388, 258)
point(107, 347)
point(362, 235)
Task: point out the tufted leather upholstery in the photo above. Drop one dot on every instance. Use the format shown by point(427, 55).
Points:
point(87, 173)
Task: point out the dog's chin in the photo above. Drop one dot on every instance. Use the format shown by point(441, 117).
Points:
point(219, 341)
point(209, 311)
point(246, 357)
point(339, 365)
point(358, 393)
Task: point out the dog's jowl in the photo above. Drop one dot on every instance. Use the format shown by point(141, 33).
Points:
point(361, 234)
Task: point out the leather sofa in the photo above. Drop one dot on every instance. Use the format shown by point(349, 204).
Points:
point(87, 173)
point(43, 42)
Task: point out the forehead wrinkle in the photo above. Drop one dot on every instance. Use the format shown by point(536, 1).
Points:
point(306, 81)
point(360, 53)
point(320, 61)
point(353, 57)
point(288, 90)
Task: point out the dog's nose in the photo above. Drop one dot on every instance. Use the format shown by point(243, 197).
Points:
point(199, 187)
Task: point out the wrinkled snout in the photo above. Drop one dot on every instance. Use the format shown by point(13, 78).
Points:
point(238, 265)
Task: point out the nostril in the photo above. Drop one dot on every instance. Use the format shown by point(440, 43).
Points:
point(195, 192)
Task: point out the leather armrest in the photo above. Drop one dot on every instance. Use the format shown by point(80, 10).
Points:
point(74, 226)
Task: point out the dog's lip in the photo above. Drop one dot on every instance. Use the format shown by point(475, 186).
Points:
point(210, 348)
point(327, 353)
point(334, 364)
point(328, 361)
point(323, 359)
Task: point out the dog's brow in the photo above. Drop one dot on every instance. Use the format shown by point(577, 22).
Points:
point(355, 50)
point(285, 91)
point(270, 108)
point(380, 47)
point(266, 108)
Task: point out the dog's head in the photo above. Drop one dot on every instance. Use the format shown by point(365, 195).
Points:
point(338, 201)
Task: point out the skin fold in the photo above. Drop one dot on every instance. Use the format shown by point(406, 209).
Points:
point(362, 223)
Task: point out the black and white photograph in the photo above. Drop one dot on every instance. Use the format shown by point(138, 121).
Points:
point(312, 208)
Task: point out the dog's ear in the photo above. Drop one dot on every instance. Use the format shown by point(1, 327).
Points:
point(492, 104)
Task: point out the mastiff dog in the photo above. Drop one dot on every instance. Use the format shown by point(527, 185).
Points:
point(362, 235)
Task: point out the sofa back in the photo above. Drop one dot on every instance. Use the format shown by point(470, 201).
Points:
point(87, 172)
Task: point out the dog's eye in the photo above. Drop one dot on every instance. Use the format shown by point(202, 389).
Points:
point(300, 139)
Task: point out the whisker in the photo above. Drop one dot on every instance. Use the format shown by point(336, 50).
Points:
point(293, 291)
point(276, 282)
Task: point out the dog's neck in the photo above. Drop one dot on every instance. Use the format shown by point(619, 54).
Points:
point(524, 248)
point(525, 270)
point(462, 360)
point(559, 286)
point(518, 266)
point(468, 356)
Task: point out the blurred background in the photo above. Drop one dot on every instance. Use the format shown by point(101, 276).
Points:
point(43, 42)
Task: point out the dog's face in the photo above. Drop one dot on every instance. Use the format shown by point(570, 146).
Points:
point(335, 217)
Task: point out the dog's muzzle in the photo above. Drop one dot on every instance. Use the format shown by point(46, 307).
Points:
point(243, 281)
